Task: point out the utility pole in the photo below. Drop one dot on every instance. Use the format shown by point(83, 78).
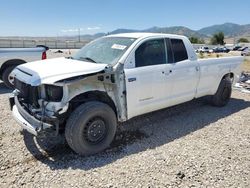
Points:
point(79, 34)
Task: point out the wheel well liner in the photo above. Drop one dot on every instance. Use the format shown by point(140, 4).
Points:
point(10, 63)
point(229, 75)
point(93, 96)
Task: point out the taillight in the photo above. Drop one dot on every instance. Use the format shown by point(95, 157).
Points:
point(44, 55)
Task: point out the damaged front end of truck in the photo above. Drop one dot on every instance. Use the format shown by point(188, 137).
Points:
point(47, 92)
point(43, 107)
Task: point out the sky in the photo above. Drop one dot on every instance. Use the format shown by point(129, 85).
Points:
point(65, 17)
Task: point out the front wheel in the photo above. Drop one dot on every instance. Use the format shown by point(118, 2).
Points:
point(223, 93)
point(91, 128)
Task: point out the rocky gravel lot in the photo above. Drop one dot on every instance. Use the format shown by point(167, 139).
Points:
point(189, 145)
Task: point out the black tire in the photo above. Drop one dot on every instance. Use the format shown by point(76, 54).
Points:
point(223, 93)
point(91, 128)
point(5, 76)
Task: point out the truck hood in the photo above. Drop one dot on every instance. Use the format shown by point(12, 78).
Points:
point(52, 70)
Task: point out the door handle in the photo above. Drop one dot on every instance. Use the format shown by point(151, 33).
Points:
point(197, 68)
point(167, 72)
point(132, 79)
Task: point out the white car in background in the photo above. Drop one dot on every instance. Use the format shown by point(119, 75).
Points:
point(203, 49)
point(12, 57)
point(245, 52)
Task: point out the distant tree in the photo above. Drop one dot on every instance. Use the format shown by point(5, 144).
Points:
point(195, 40)
point(213, 41)
point(218, 38)
point(243, 40)
point(201, 41)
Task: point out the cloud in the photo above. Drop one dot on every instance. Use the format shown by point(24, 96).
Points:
point(69, 30)
point(81, 29)
point(93, 28)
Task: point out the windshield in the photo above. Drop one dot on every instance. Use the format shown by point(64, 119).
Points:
point(106, 50)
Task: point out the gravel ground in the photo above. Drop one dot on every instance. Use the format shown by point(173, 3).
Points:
point(189, 145)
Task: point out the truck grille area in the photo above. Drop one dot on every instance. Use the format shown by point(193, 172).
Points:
point(28, 93)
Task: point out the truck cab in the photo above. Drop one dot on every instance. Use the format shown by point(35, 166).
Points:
point(158, 69)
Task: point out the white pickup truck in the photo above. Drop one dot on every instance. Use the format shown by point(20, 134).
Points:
point(114, 79)
point(12, 57)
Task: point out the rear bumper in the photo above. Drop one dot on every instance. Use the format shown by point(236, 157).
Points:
point(25, 120)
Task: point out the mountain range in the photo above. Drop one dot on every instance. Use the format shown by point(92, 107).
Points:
point(229, 29)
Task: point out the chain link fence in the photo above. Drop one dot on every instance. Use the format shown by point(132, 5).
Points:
point(5, 43)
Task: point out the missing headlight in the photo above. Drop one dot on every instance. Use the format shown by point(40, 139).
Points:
point(54, 93)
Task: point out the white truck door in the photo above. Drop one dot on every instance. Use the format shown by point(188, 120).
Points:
point(184, 74)
point(147, 87)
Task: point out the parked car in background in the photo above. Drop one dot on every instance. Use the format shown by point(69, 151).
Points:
point(236, 48)
point(225, 50)
point(12, 57)
point(203, 49)
point(221, 50)
point(243, 48)
point(245, 52)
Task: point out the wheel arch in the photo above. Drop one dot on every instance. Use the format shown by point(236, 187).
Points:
point(229, 75)
point(224, 90)
point(95, 95)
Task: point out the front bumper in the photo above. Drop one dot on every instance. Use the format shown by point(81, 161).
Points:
point(24, 124)
point(25, 120)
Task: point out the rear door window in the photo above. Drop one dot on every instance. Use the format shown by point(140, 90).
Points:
point(179, 50)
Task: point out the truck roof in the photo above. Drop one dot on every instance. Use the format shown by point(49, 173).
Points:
point(145, 35)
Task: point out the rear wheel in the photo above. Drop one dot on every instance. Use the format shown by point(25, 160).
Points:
point(7, 78)
point(91, 128)
point(223, 93)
